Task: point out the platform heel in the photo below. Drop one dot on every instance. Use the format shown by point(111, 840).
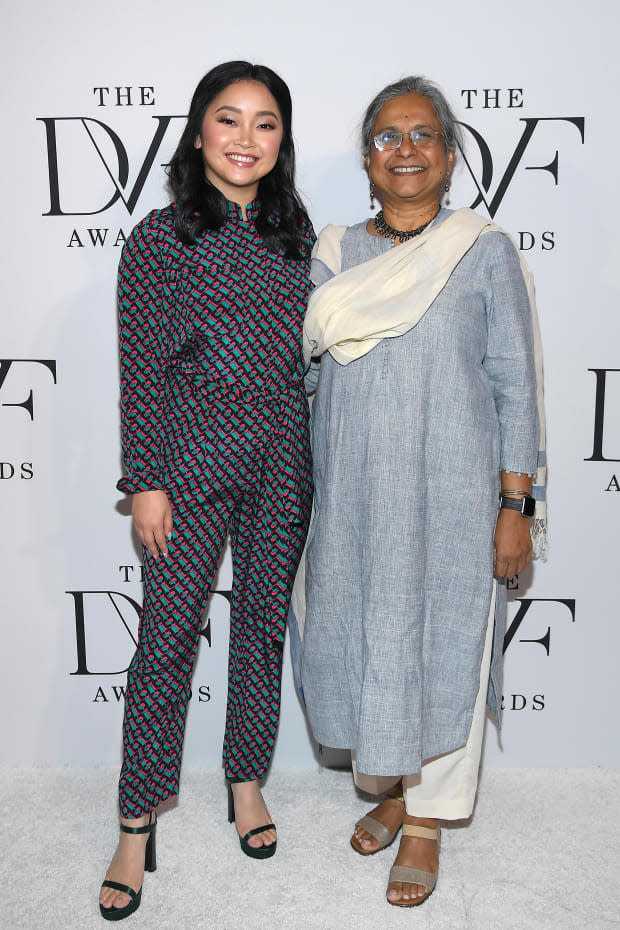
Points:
point(254, 852)
point(150, 865)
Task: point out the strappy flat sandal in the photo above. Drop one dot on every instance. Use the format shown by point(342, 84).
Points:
point(150, 865)
point(411, 876)
point(382, 834)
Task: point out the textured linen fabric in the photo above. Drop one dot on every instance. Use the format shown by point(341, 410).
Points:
point(408, 442)
point(445, 787)
point(214, 411)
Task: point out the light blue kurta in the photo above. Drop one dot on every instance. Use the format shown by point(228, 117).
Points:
point(408, 442)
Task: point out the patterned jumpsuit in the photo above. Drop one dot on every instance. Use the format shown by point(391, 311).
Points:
point(213, 411)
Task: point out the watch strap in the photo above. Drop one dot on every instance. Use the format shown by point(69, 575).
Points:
point(525, 505)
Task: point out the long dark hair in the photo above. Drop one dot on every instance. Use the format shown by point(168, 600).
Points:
point(201, 206)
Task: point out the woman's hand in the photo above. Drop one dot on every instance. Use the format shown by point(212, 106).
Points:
point(152, 518)
point(513, 544)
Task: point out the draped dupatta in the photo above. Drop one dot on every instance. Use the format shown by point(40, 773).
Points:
point(387, 296)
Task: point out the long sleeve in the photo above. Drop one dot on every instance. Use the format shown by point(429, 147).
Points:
point(319, 274)
point(142, 360)
point(509, 360)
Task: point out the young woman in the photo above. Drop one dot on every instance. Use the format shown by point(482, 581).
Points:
point(212, 291)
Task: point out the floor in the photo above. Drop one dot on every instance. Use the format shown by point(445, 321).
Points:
point(541, 853)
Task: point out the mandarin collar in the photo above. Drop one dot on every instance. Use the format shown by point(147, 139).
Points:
point(252, 210)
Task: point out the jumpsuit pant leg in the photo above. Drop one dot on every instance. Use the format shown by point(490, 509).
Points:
point(267, 546)
point(176, 591)
point(259, 477)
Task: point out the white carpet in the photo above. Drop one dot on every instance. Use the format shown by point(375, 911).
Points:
point(542, 853)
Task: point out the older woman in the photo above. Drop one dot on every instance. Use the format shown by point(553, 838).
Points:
point(426, 437)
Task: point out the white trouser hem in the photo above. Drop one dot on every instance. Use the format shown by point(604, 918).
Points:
point(446, 786)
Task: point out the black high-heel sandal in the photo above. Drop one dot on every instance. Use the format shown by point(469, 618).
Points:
point(150, 865)
point(254, 852)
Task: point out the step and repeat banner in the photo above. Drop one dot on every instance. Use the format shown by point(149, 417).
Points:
point(93, 105)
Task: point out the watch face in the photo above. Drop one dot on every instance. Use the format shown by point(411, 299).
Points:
point(529, 505)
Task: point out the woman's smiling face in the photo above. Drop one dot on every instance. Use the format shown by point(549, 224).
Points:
point(410, 173)
point(240, 139)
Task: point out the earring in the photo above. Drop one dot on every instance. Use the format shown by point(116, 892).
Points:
point(446, 189)
point(372, 195)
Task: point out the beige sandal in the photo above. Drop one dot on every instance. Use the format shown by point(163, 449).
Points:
point(382, 834)
point(411, 876)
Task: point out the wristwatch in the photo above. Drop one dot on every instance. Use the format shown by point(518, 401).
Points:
point(526, 504)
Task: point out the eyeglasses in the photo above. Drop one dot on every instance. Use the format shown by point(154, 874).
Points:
point(423, 137)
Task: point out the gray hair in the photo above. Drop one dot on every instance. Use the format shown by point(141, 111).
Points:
point(452, 134)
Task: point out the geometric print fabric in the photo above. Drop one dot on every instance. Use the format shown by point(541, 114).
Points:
point(214, 412)
point(266, 549)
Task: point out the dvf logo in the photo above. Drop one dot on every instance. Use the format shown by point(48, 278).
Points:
point(103, 159)
point(17, 365)
point(492, 181)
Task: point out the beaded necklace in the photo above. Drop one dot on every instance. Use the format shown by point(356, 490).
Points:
point(384, 229)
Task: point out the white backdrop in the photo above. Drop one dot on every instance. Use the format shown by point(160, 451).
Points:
point(84, 90)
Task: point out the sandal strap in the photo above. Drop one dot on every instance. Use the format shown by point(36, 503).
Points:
point(426, 833)
point(257, 830)
point(403, 873)
point(378, 830)
point(148, 828)
point(118, 887)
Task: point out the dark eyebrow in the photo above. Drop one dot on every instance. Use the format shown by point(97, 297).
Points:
point(238, 110)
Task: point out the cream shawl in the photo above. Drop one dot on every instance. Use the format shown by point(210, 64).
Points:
point(388, 295)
